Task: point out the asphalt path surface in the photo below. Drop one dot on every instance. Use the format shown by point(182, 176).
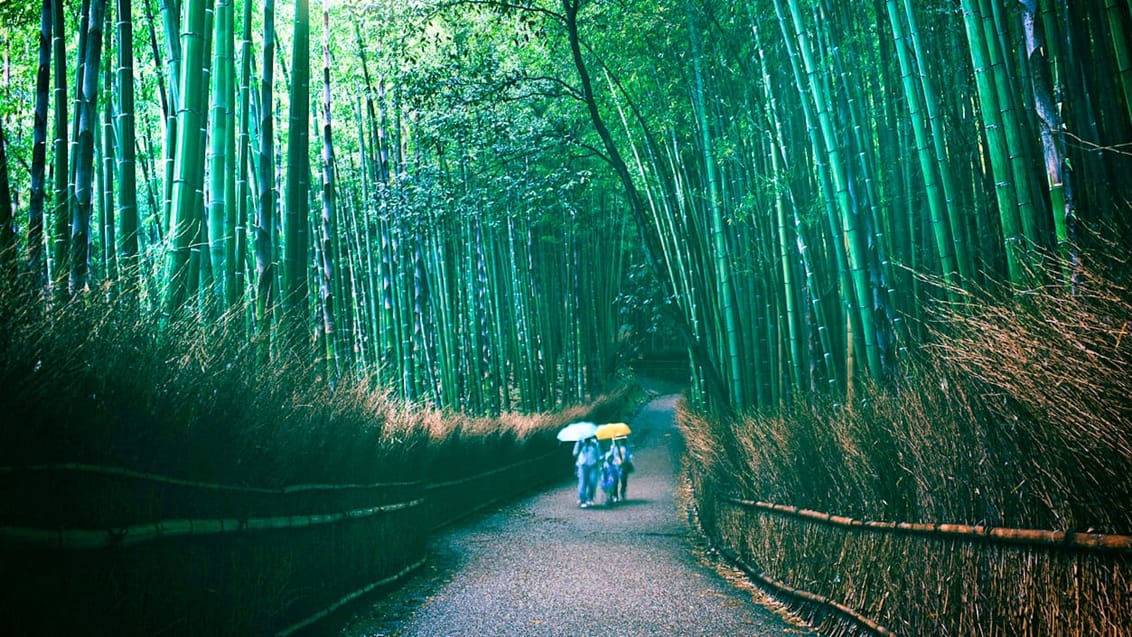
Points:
point(542, 567)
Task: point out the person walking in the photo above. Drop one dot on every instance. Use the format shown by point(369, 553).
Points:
point(620, 457)
point(587, 460)
point(610, 479)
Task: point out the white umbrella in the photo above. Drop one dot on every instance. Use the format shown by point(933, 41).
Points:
point(576, 431)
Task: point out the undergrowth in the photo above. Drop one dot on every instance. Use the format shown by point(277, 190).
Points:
point(97, 381)
point(1018, 414)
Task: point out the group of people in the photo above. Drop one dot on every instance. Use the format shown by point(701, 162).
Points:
point(608, 468)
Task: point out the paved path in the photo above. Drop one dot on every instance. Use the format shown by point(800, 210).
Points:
point(542, 567)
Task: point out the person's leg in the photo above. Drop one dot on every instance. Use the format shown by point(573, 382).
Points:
point(594, 478)
point(583, 479)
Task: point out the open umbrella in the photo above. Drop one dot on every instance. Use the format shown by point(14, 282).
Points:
point(576, 431)
point(613, 430)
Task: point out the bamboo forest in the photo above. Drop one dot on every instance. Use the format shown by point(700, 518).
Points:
point(884, 244)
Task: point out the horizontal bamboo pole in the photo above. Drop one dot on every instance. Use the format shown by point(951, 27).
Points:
point(368, 588)
point(1031, 537)
point(78, 467)
point(90, 539)
point(806, 596)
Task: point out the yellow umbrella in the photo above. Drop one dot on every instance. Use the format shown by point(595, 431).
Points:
point(613, 430)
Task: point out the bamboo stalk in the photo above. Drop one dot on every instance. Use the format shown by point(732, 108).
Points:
point(126, 177)
point(1034, 537)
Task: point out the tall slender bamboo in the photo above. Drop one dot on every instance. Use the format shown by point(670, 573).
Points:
point(84, 164)
point(220, 172)
point(1050, 128)
point(36, 260)
point(723, 287)
point(295, 294)
point(636, 206)
point(1002, 82)
point(184, 227)
point(859, 296)
point(996, 146)
point(1118, 26)
point(952, 204)
point(265, 179)
point(929, 168)
point(8, 239)
point(127, 240)
point(106, 210)
point(243, 194)
point(787, 277)
point(328, 227)
point(61, 195)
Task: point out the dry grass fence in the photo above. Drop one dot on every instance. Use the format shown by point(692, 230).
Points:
point(127, 553)
point(155, 480)
point(989, 492)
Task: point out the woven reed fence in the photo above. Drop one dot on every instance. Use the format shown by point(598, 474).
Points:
point(895, 578)
point(88, 549)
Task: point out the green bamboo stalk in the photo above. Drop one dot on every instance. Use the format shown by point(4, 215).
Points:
point(720, 253)
point(220, 171)
point(935, 122)
point(996, 146)
point(821, 162)
point(243, 196)
point(787, 275)
point(184, 226)
point(61, 194)
point(8, 240)
point(1117, 20)
point(295, 219)
point(937, 205)
point(1019, 158)
point(265, 179)
point(107, 224)
point(778, 150)
point(36, 257)
point(170, 22)
point(1050, 131)
point(328, 227)
point(201, 279)
point(84, 154)
point(127, 169)
point(859, 295)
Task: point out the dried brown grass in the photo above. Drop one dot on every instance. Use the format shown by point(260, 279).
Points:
point(1018, 415)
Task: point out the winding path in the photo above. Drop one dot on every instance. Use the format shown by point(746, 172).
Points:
point(542, 567)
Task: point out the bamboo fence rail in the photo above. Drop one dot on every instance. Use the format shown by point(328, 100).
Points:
point(804, 595)
point(78, 467)
point(89, 539)
point(1031, 537)
point(346, 599)
point(484, 474)
point(455, 497)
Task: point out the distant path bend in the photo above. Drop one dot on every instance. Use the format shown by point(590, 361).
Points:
point(542, 567)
